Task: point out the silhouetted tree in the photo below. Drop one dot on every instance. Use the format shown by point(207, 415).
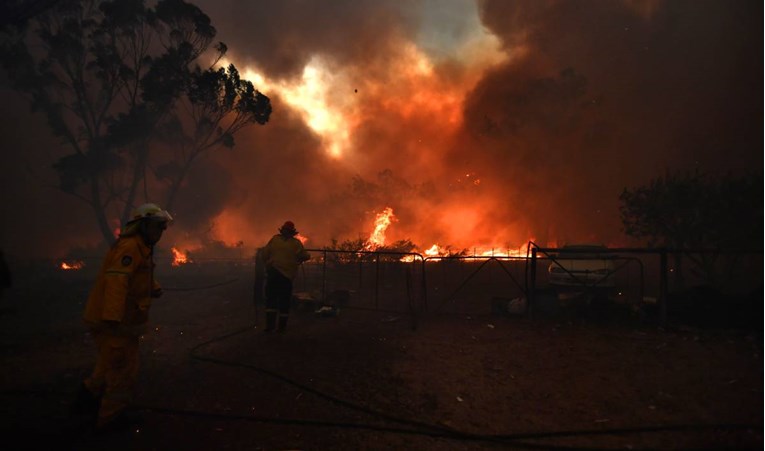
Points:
point(217, 104)
point(696, 211)
point(16, 13)
point(351, 251)
point(109, 77)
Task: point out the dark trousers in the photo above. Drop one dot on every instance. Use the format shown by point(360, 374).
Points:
point(278, 298)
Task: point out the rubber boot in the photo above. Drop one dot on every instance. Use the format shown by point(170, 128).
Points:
point(270, 321)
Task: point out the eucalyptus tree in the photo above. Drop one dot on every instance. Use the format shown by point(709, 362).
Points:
point(114, 80)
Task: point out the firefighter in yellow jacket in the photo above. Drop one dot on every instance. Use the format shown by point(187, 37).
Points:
point(282, 256)
point(116, 314)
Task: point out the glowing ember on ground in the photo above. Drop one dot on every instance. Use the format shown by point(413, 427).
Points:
point(179, 258)
point(72, 265)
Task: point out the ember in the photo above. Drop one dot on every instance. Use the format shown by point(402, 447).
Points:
point(72, 265)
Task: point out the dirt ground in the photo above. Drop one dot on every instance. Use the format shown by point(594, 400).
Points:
point(368, 380)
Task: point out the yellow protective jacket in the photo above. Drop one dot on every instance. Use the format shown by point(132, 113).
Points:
point(285, 254)
point(122, 291)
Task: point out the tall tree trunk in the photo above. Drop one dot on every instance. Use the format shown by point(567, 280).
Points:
point(100, 212)
point(141, 150)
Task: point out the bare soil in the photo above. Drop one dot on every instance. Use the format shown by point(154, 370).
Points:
point(371, 380)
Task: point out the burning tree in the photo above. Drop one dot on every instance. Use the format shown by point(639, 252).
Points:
point(117, 81)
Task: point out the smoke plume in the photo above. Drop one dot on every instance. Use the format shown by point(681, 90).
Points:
point(482, 124)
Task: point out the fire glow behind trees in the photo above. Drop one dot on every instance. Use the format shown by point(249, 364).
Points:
point(479, 125)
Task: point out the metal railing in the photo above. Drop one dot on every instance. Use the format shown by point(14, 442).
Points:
point(661, 283)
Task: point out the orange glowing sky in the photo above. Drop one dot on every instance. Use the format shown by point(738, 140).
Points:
point(404, 107)
point(480, 124)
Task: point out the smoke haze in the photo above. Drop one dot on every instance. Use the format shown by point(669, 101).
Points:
point(480, 124)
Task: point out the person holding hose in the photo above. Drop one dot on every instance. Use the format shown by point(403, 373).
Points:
point(282, 256)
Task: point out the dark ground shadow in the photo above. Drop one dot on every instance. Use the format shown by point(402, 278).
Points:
point(364, 379)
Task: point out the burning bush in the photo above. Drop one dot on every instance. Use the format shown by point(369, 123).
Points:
point(359, 250)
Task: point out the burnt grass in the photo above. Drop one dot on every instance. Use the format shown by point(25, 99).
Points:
point(583, 377)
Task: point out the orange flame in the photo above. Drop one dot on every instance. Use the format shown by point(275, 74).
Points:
point(179, 258)
point(386, 218)
point(72, 266)
point(377, 238)
point(303, 239)
point(434, 251)
point(482, 251)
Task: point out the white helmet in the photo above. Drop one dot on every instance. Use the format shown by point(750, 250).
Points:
point(151, 211)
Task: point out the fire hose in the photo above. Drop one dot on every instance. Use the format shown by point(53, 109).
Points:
point(397, 424)
point(404, 425)
point(415, 427)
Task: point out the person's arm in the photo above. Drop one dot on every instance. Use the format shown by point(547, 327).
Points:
point(303, 254)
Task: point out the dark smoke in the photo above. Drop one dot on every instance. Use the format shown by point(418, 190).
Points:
point(611, 94)
point(594, 96)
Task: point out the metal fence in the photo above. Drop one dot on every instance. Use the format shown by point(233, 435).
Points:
point(645, 280)
point(667, 283)
point(474, 284)
point(384, 281)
